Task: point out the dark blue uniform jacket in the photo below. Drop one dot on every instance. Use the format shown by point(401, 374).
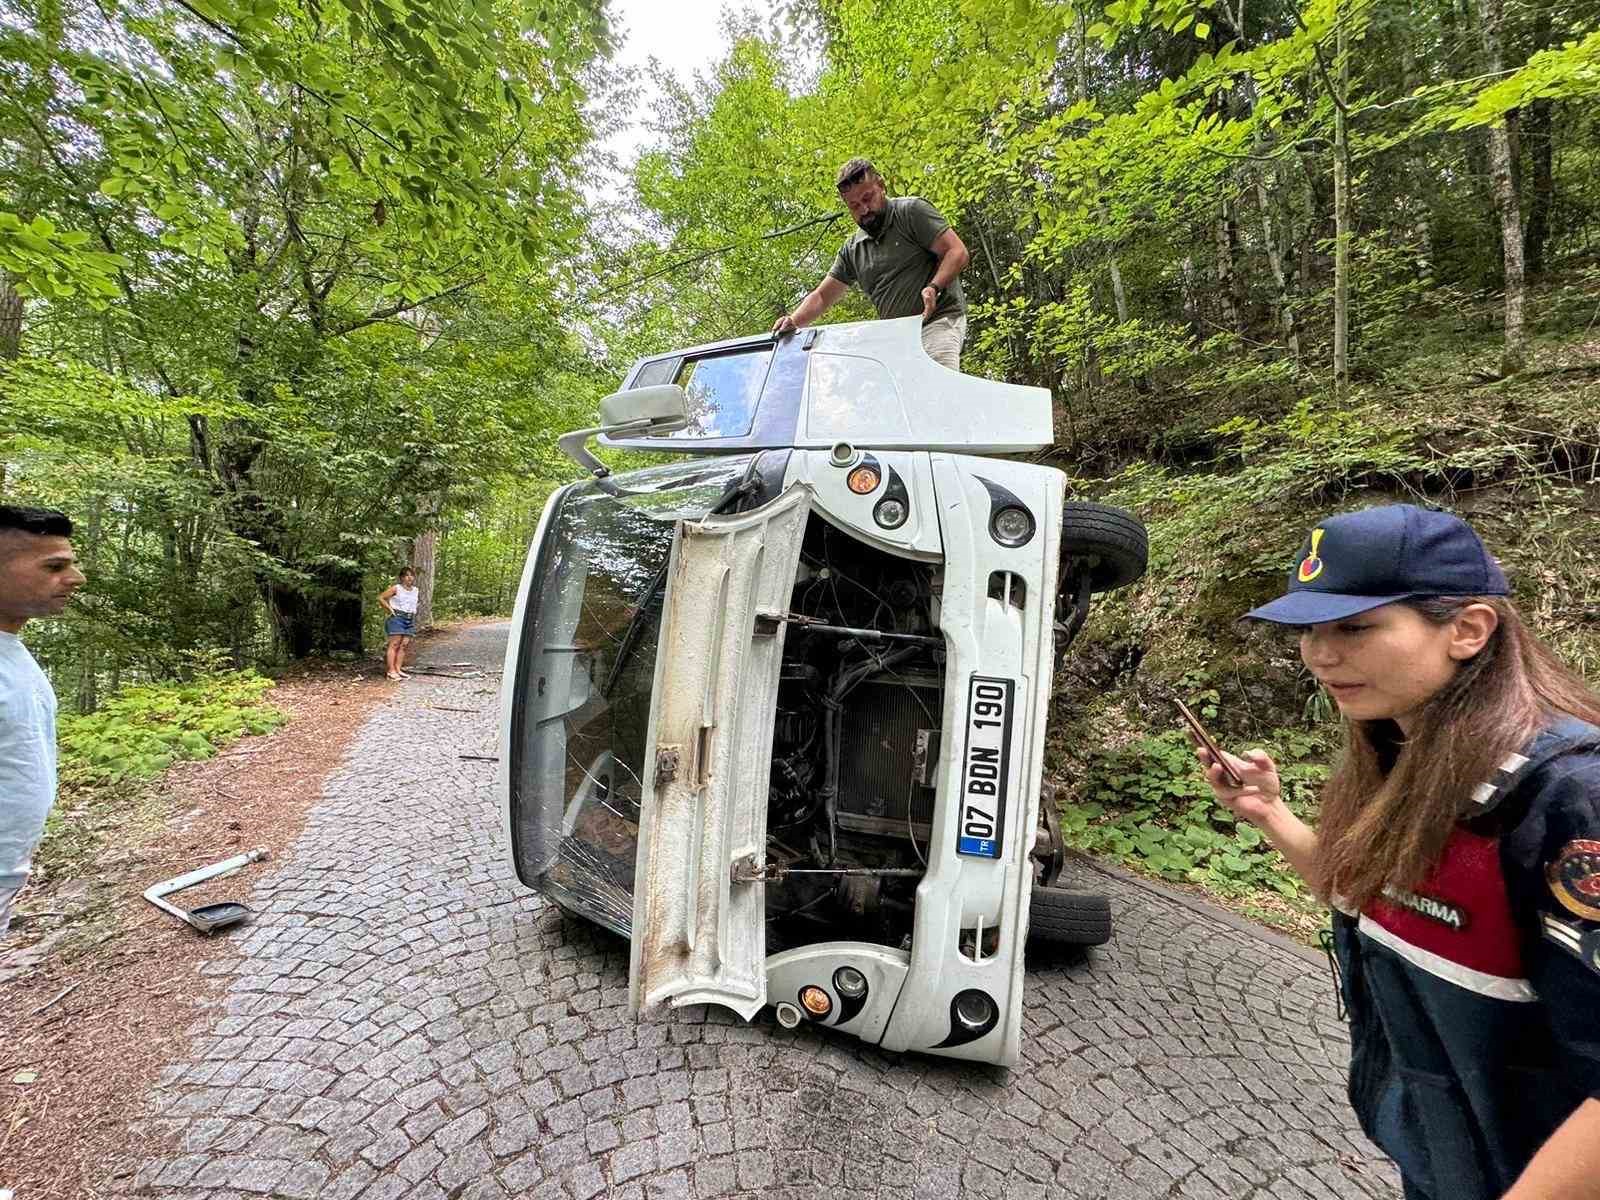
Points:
point(1474, 1000)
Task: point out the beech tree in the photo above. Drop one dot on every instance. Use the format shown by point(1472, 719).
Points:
point(233, 206)
point(1155, 191)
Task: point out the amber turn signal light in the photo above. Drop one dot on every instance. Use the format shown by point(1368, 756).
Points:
point(815, 1001)
point(864, 480)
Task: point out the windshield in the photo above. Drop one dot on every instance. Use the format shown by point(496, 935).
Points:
point(581, 705)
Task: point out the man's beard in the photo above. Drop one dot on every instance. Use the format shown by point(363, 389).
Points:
point(873, 223)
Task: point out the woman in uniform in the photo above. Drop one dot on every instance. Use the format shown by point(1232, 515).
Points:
point(1458, 843)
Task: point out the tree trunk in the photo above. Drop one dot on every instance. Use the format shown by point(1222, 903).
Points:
point(323, 617)
point(1291, 338)
point(10, 336)
point(1538, 129)
point(1341, 216)
point(1119, 294)
point(422, 561)
point(10, 318)
point(1191, 309)
point(1227, 283)
point(88, 543)
point(1514, 357)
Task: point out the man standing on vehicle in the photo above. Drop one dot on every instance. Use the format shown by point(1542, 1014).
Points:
point(38, 575)
point(905, 257)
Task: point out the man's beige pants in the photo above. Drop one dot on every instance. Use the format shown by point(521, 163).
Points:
point(942, 338)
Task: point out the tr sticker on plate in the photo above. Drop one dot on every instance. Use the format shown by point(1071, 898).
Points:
point(985, 771)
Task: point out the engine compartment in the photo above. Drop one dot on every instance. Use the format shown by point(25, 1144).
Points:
point(855, 744)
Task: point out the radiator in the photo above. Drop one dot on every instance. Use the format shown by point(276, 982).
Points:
point(881, 773)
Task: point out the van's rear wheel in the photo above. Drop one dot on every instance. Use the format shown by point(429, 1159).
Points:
point(1110, 543)
point(1064, 918)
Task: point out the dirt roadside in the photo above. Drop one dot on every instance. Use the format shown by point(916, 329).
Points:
point(101, 989)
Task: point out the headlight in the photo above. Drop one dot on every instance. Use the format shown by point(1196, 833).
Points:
point(891, 513)
point(1011, 525)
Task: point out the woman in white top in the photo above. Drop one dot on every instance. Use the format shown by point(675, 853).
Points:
point(399, 600)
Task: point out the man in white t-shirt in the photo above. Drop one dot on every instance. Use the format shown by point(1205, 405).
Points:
point(38, 574)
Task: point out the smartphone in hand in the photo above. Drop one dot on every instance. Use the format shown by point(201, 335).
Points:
point(1209, 743)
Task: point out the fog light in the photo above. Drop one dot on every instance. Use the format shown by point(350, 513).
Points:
point(850, 983)
point(863, 480)
point(890, 513)
point(974, 1011)
point(815, 1001)
point(1011, 526)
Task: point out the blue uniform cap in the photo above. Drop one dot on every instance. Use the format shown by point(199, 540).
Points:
point(1361, 560)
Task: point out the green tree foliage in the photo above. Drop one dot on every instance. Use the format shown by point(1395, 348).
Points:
point(297, 283)
point(1147, 187)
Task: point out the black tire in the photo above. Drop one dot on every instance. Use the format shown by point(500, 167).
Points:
point(1110, 542)
point(1063, 918)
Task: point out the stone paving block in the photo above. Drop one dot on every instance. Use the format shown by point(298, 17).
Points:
point(421, 1124)
point(465, 1165)
point(387, 1148)
point(304, 1180)
point(461, 1131)
point(403, 1020)
point(633, 1160)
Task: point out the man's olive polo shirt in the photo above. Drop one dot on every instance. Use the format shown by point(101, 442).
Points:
point(894, 267)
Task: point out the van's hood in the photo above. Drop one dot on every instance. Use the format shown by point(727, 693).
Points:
point(699, 937)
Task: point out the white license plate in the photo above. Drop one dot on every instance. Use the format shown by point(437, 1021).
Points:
point(986, 768)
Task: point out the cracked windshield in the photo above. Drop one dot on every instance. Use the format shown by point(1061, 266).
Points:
point(590, 657)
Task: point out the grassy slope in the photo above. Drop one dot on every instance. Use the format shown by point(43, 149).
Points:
point(1228, 498)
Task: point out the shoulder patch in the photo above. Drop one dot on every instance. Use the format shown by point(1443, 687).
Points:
point(1574, 878)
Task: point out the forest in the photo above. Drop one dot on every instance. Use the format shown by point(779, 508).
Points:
point(293, 293)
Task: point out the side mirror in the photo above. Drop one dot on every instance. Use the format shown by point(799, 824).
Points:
point(663, 408)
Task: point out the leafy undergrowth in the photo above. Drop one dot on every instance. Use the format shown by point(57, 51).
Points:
point(109, 757)
point(1518, 457)
point(1146, 806)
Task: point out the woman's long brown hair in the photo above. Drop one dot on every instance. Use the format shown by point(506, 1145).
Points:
point(1392, 801)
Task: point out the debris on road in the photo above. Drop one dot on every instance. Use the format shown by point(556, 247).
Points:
point(207, 918)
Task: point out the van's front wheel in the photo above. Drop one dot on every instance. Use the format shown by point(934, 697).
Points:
point(1064, 918)
point(1110, 543)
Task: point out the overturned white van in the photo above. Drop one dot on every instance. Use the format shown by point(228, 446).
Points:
point(776, 712)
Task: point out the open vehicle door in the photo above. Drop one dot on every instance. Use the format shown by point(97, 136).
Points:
point(697, 936)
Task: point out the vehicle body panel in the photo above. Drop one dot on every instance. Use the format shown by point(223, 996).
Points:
point(991, 637)
point(699, 936)
point(867, 383)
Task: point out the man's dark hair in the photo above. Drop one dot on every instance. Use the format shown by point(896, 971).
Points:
point(854, 171)
point(42, 522)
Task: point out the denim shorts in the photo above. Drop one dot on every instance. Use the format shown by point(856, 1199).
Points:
point(401, 624)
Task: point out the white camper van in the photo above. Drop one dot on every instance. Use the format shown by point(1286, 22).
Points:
point(775, 712)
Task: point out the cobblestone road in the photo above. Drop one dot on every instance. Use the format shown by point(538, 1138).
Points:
point(403, 1019)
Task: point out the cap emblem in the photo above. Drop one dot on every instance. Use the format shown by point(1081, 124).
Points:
point(1311, 565)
